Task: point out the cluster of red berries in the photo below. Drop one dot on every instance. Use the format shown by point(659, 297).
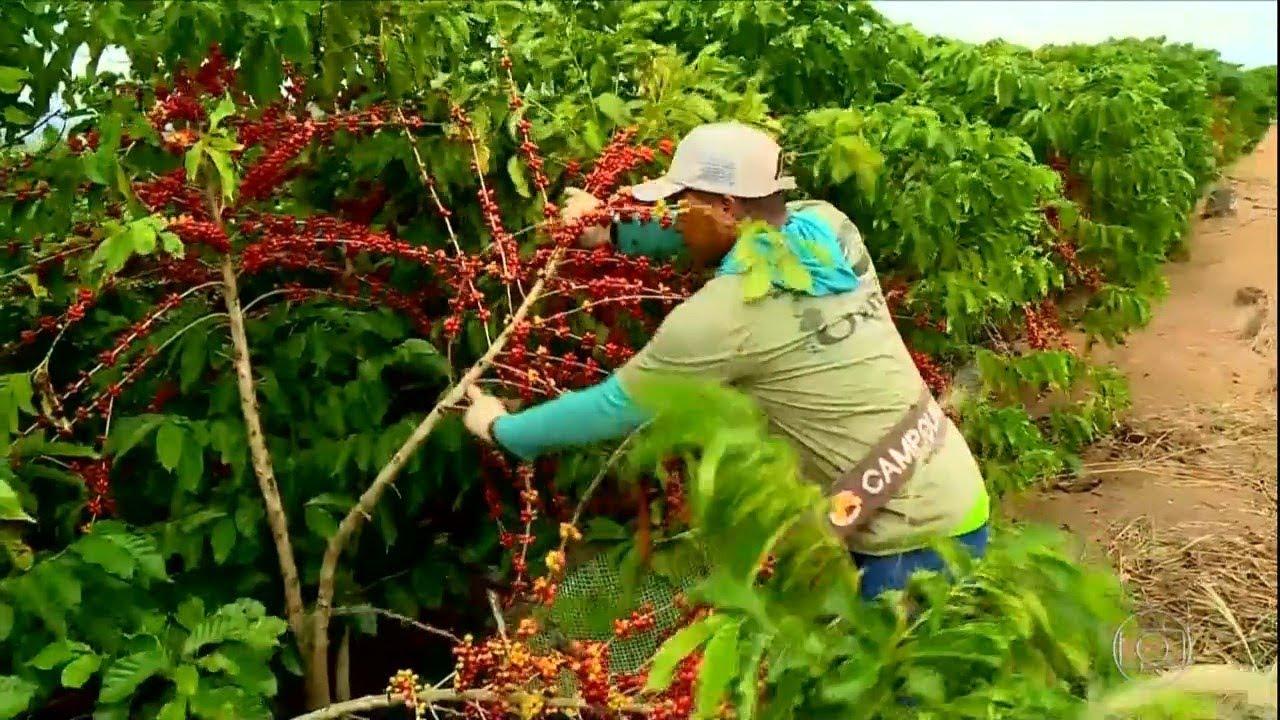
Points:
point(138, 330)
point(1044, 326)
point(675, 501)
point(215, 74)
point(496, 468)
point(182, 101)
point(528, 148)
point(96, 475)
point(284, 135)
point(676, 702)
point(85, 299)
point(509, 667)
point(27, 191)
point(186, 272)
point(171, 190)
point(103, 402)
point(622, 295)
point(271, 170)
point(641, 620)
point(404, 685)
point(619, 157)
point(1073, 185)
point(591, 671)
point(174, 107)
point(296, 243)
point(1088, 276)
point(931, 372)
point(200, 232)
point(895, 297)
point(767, 569)
point(81, 142)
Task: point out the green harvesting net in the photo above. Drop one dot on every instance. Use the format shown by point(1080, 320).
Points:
point(594, 593)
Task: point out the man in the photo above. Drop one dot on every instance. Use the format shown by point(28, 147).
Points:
point(825, 362)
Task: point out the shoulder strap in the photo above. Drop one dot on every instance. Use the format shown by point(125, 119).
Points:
point(863, 489)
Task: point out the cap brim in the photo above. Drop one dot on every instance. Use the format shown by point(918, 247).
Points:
point(655, 190)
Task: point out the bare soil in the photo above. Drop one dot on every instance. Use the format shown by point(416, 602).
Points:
point(1183, 500)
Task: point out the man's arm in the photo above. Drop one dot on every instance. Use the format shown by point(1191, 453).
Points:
point(630, 238)
point(696, 338)
point(649, 239)
point(601, 412)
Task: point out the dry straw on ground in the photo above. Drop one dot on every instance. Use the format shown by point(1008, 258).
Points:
point(1217, 576)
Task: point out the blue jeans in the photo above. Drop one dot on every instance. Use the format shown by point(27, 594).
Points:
point(891, 572)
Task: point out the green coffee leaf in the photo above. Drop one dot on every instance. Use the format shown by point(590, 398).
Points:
point(187, 679)
point(124, 675)
point(78, 671)
point(11, 79)
point(223, 539)
point(107, 554)
point(719, 666)
point(192, 160)
point(15, 694)
point(16, 115)
point(6, 621)
point(175, 709)
point(515, 169)
point(129, 431)
point(613, 107)
point(53, 655)
point(226, 173)
point(677, 647)
point(169, 445)
point(11, 505)
point(223, 110)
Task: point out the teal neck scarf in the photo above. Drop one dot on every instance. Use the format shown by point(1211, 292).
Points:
point(808, 260)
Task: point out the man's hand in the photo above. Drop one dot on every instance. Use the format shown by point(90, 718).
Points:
point(578, 203)
point(481, 414)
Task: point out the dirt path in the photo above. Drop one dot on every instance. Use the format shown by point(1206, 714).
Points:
point(1183, 501)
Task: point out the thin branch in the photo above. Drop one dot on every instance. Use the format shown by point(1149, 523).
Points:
point(494, 607)
point(342, 668)
point(432, 696)
point(337, 710)
point(599, 478)
point(370, 610)
point(440, 208)
point(171, 339)
point(605, 301)
point(56, 256)
point(260, 456)
point(388, 474)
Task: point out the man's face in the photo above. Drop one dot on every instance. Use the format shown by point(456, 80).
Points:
point(709, 224)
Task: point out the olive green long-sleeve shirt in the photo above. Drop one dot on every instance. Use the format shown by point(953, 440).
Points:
point(833, 375)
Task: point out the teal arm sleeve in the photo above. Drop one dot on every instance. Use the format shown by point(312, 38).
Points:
point(601, 412)
point(649, 239)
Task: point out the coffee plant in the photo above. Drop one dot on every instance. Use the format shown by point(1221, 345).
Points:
point(246, 283)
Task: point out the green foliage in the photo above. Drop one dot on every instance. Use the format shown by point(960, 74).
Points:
point(104, 613)
point(938, 150)
point(1025, 633)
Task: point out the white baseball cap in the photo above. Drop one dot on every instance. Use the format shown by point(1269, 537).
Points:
point(727, 158)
